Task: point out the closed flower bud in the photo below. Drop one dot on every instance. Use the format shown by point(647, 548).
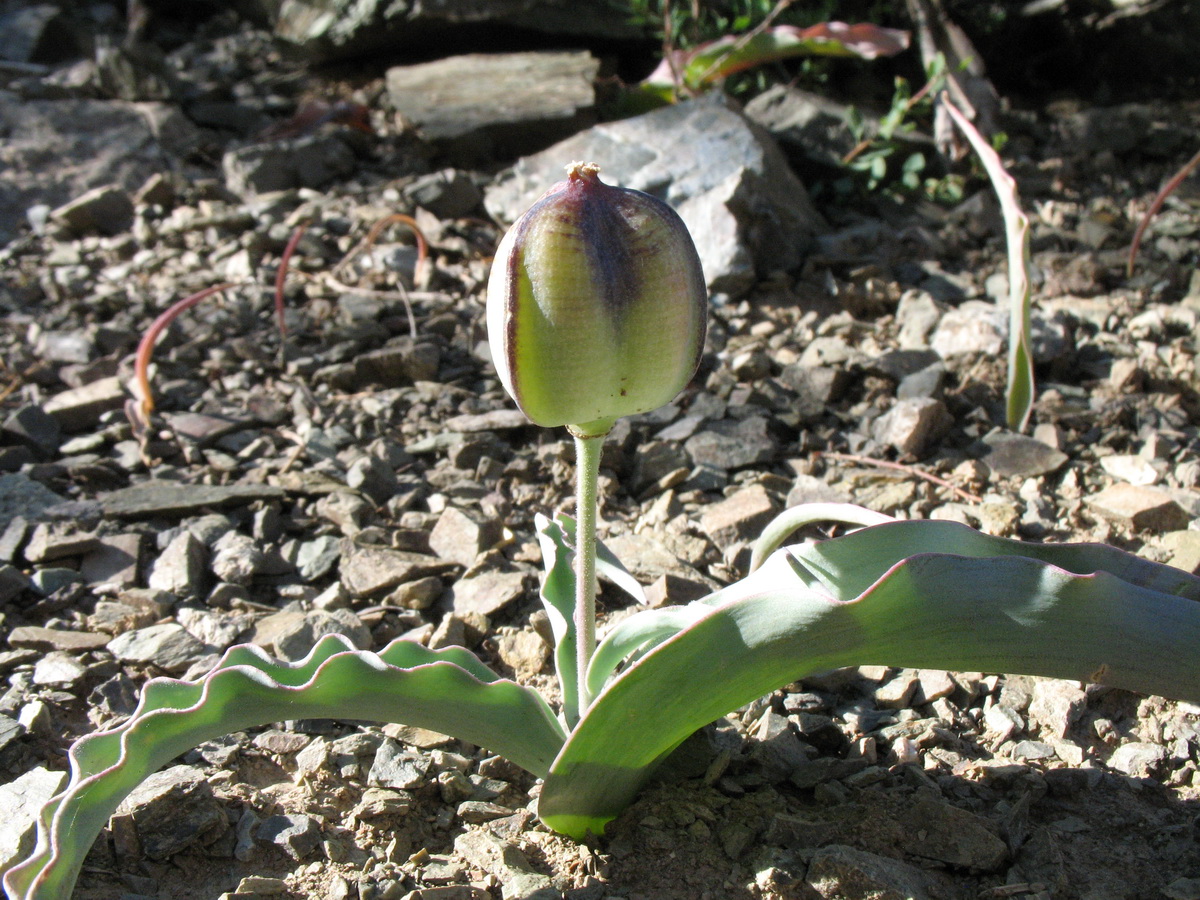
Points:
point(596, 305)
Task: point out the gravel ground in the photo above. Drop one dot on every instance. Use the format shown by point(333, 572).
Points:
point(367, 475)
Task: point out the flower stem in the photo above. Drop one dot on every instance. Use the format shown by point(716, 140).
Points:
point(587, 473)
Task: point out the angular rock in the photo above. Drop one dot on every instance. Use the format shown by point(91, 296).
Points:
point(523, 651)
point(485, 850)
point(952, 836)
point(34, 637)
point(1138, 508)
point(13, 582)
point(1141, 760)
point(448, 194)
point(837, 871)
point(746, 211)
point(367, 571)
point(33, 427)
point(103, 210)
point(1015, 455)
point(730, 444)
point(1131, 468)
point(48, 543)
point(402, 362)
point(1055, 705)
point(58, 668)
point(172, 810)
point(739, 517)
point(913, 427)
point(305, 162)
point(969, 329)
point(114, 560)
point(397, 768)
point(486, 593)
point(237, 558)
point(167, 646)
point(317, 557)
point(1183, 549)
point(807, 125)
point(291, 635)
point(479, 106)
point(460, 535)
point(21, 496)
point(180, 568)
point(296, 834)
point(20, 802)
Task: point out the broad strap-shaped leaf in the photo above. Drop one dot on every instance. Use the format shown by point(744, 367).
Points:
point(1019, 396)
point(557, 540)
point(448, 691)
point(796, 517)
point(879, 597)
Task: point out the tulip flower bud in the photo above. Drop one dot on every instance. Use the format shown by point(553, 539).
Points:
point(596, 306)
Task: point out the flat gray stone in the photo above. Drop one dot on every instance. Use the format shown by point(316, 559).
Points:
point(1139, 508)
point(1139, 759)
point(168, 498)
point(21, 496)
point(1008, 455)
point(34, 637)
point(167, 646)
point(20, 802)
point(729, 182)
point(502, 104)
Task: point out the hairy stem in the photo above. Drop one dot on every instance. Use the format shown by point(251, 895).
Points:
point(587, 466)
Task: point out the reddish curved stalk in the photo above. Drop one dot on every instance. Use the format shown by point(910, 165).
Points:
point(281, 276)
point(373, 235)
point(140, 410)
point(1159, 199)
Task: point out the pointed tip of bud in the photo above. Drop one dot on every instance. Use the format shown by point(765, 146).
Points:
point(578, 170)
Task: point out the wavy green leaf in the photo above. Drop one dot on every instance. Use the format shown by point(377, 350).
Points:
point(448, 691)
point(1087, 613)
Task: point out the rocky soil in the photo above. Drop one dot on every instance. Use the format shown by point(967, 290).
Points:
point(365, 473)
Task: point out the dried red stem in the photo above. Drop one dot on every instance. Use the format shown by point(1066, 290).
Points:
point(377, 229)
point(141, 364)
point(281, 276)
point(1159, 199)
